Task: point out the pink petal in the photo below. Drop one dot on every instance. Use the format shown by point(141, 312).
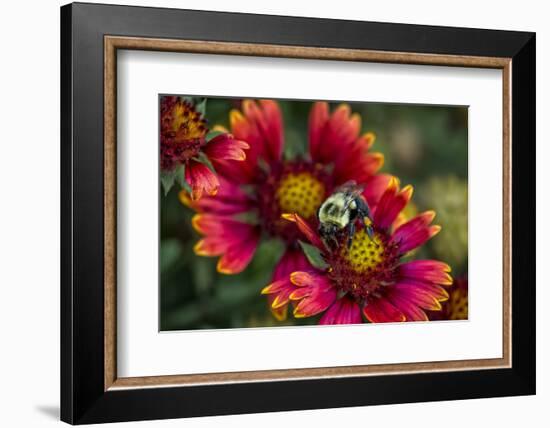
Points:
point(239, 172)
point(355, 162)
point(229, 200)
point(237, 257)
point(314, 304)
point(235, 241)
point(201, 180)
point(279, 291)
point(272, 126)
point(224, 146)
point(293, 260)
point(343, 129)
point(310, 278)
point(419, 295)
point(342, 311)
point(331, 136)
point(264, 130)
point(411, 311)
point(318, 117)
point(427, 271)
point(375, 187)
point(381, 310)
point(415, 232)
point(315, 293)
point(306, 229)
point(358, 166)
point(245, 129)
point(391, 203)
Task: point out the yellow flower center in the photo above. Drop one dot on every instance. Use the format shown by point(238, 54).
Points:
point(459, 305)
point(365, 254)
point(187, 122)
point(300, 193)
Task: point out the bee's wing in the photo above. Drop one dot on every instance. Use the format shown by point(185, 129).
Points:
point(351, 187)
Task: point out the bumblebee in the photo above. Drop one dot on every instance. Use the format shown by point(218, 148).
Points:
point(340, 212)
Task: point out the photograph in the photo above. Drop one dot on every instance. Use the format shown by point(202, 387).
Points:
point(279, 212)
point(266, 214)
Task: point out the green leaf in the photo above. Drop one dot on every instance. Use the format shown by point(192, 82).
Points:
point(180, 179)
point(200, 106)
point(202, 158)
point(177, 175)
point(167, 179)
point(314, 256)
point(213, 134)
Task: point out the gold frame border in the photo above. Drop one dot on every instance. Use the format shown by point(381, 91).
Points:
point(112, 43)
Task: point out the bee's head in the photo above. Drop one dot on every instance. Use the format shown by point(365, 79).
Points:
point(328, 232)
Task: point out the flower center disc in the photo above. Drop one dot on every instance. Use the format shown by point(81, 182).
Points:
point(365, 254)
point(183, 132)
point(365, 267)
point(187, 123)
point(300, 193)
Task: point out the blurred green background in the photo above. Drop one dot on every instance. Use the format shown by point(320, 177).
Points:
point(426, 146)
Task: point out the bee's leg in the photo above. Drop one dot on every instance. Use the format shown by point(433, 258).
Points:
point(333, 242)
point(367, 224)
point(370, 233)
point(351, 232)
point(363, 208)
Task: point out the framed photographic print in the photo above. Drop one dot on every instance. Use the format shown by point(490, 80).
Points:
point(266, 213)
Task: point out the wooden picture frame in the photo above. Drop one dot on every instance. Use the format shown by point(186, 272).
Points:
point(91, 390)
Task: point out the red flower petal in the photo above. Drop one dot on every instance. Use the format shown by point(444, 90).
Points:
point(244, 130)
point(229, 200)
point(278, 296)
point(201, 180)
point(381, 310)
point(314, 304)
point(224, 146)
point(415, 232)
point(235, 241)
point(307, 278)
point(358, 166)
point(411, 311)
point(237, 257)
point(306, 229)
point(391, 203)
point(293, 260)
point(343, 127)
point(342, 311)
point(272, 126)
point(240, 172)
point(318, 117)
point(375, 187)
point(355, 162)
point(278, 293)
point(315, 293)
point(261, 128)
point(427, 271)
point(331, 135)
point(420, 295)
